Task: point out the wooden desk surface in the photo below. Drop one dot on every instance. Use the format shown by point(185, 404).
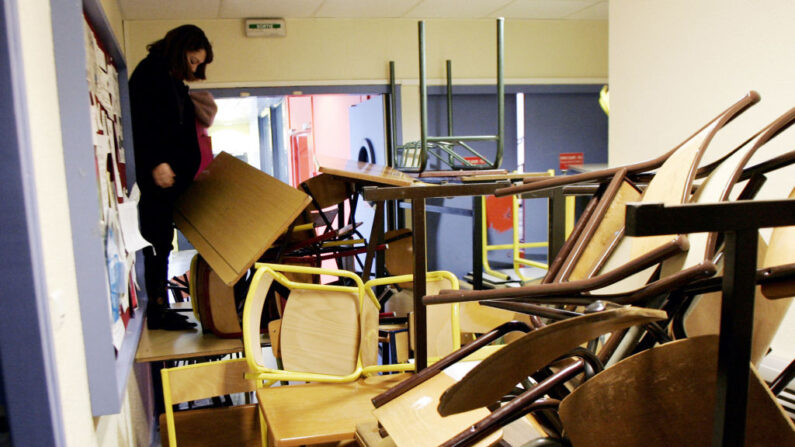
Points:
point(368, 172)
point(475, 177)
point(160, 345)
point(233, 212)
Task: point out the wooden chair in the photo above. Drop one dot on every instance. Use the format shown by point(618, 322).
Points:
point(667, 397)
point(313, 312)
point(601, 259)
point(213, 301)
point(328, 333)
point(235, 425)
point(428, 399)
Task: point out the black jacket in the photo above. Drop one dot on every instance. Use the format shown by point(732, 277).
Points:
point(163, 123)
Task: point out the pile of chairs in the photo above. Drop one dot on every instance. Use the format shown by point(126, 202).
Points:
point(592, 377)
point(617, 344)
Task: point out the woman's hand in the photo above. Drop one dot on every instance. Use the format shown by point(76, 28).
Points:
point(163, 175)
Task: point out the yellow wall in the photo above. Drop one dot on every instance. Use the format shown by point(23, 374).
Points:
point(113, 13)
point(676, 64)
point(356, 51)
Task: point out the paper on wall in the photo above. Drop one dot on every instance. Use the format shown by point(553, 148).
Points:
point(128, 217)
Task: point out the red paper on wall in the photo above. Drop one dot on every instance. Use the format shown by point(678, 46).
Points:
point(571, 159)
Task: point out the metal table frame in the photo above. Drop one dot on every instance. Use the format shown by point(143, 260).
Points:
point(417, 195)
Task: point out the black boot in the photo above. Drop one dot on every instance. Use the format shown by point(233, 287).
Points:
point(158, 317)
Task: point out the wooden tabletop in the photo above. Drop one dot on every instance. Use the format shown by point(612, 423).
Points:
point(475, 176)
point(161, 345)
point(367, 172)
point(233, 212)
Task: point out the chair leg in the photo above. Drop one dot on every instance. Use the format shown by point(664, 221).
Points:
point(263, 428)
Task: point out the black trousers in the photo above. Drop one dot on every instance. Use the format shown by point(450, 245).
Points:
point(156, 210)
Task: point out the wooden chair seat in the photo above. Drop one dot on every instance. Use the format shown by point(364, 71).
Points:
point(320, 412)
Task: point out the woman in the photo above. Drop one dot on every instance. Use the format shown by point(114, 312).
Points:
point(167, 153)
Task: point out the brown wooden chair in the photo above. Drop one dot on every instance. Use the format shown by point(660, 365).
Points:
point(409, 414)
point(665, 396)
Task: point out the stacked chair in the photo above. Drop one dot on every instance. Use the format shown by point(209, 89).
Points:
point(616, 346)
point(604, 270)
point(327, 336)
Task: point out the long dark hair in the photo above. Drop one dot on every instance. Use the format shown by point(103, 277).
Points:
point(176, 43)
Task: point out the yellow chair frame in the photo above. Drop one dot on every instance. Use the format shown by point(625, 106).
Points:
point(201, 381)
point(455, 315)
point(255, 300)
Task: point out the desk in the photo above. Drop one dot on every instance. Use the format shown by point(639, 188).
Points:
point(360, 175)
point(363, 172)
point(233, 212)
point(160, 345)
point(418, 195)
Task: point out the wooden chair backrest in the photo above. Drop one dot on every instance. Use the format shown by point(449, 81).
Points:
point(717, 187)
point(781, 252)
point(319, 332)
point(602, 232)
point(665, 396)
point(326, 190)
point(252, 317)
point(498, 373)
point(398, 257)
point(439, 332)
point(202, 381)
point(671, 185)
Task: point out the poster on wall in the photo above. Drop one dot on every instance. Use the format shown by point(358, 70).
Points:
point(118, 209)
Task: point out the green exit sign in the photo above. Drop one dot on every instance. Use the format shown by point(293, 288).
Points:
point(265, 28)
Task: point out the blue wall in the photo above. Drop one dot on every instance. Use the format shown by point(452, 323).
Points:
point(557, 119)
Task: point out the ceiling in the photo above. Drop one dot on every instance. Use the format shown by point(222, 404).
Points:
point(447, 9)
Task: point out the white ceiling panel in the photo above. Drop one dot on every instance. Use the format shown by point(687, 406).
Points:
point(544, 9)
point(365, 8)
point(598, 11)
point(237, 9)
point(169, 9)
point(456, 8)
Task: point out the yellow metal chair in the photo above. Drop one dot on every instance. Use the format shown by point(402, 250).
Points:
point(320, 330)
point(327, 334)
point(516, 246)
point(236, 425)
point(444, 328)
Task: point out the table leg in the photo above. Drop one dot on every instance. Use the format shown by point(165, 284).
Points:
point(376, 235)
point(736, 329)
point(477, 243)
point(420, 269)
point(557, 223)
